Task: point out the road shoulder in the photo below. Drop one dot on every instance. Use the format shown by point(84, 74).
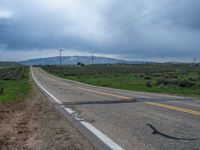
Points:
point(34, 123)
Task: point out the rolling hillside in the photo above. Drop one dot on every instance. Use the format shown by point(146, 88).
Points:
point(74, 59)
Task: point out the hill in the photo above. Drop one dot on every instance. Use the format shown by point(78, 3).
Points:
point(71, 60)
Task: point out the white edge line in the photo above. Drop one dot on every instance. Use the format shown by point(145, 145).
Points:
point(53, 97)
point(110, 143)
point(73, 113)
point(106, 140)
point(69, 110)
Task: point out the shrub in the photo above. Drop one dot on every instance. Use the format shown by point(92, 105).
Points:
point(192, 79)
point(185, 83)
point(147, 78)
point(70, 74)
point(12, 73)
point(157, 75)
point(161, 81)
point(167, 77)
point(1, 88)
point(141, 76)
point(117, 75)
point(149, 84)
point(174, 76)
point(104, 75)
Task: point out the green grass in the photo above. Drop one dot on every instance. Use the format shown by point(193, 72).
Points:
point(14, 89)
point(132, 82)
point(135, 77)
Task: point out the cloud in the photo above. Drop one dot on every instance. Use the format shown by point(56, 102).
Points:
point(6, 16)
point(5, 13)
point(145, 29)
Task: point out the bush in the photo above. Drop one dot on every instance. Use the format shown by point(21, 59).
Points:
point(1, 88)
point(12, 73)
point(149, 84)
point(185, 83)
point(157, 75)
point(117, 75)
point(174, 76)
point(167, 77)
point(141, 76)
point(147, 78)
point(161, 81)
point(192, 79)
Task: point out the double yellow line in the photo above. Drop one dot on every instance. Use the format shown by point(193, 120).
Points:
point(181, 109)
point(104, 93)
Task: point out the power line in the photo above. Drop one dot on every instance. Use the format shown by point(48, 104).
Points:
point(145, 6)
point(132, 21)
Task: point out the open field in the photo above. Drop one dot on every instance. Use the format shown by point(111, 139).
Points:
point(13, 83)
point(180, 79)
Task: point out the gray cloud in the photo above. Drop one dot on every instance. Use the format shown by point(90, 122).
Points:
point(130, 29)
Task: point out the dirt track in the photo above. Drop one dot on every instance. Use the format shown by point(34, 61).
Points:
point(35, 124)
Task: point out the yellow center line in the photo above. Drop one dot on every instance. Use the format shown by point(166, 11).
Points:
point(181, 109)
point(104, 93)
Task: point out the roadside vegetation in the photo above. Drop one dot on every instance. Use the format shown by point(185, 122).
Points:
point(13, 83)
point(180, 79)
point(9, 65)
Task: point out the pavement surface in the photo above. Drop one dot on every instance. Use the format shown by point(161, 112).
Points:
point(126, 119)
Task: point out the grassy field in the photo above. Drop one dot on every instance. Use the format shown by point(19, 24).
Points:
point(13, 83)
point(179, 79)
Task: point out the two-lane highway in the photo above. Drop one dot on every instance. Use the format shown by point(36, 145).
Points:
point(127, 119)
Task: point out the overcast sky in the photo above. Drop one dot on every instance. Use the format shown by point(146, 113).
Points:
point(158, 30)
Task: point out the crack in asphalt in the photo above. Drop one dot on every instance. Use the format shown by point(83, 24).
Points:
point(100, 102)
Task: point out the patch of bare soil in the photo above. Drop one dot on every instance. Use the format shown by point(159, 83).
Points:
point(34, 123)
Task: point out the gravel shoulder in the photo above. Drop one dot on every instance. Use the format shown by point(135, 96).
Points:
point(34, 123)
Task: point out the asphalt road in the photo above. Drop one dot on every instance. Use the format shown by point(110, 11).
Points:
point(133, 120)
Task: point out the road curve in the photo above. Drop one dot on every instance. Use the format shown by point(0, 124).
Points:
point(126, 119)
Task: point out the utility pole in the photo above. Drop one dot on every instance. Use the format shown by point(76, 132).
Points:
point(45, 61)
point(60, 52)
point(195, 60)
point(92, 59)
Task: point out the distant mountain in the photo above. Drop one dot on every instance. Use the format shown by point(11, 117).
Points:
point(71, 60)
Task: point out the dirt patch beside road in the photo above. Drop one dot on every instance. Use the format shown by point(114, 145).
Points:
point(34, 123)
